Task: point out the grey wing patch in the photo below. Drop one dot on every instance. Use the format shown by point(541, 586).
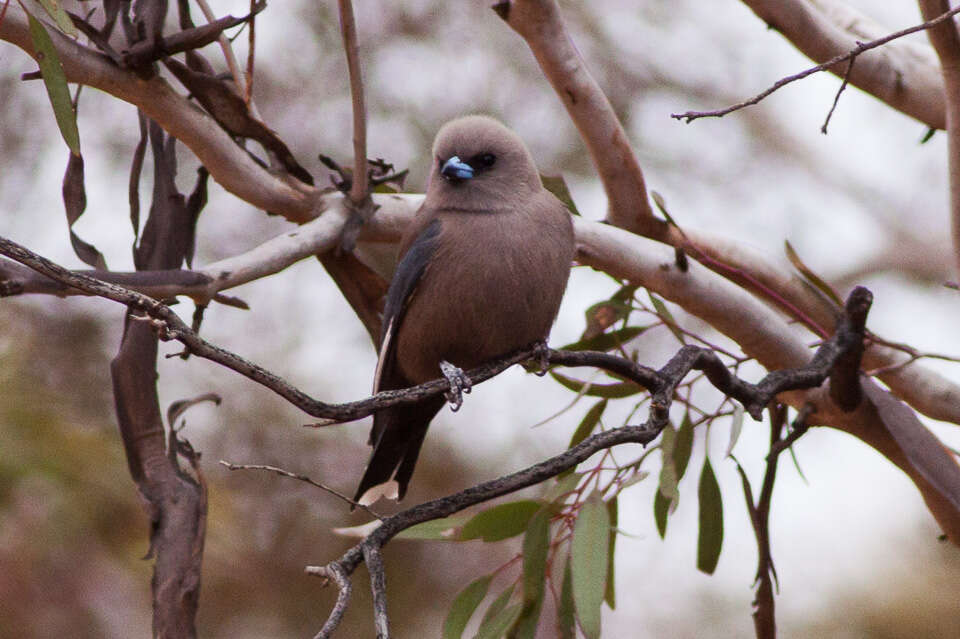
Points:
point(402, 287)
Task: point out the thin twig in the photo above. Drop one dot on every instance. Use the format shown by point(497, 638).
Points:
point(348, 27)
point(303, 478)
point(660, 383)
point(690, 116)
point(836, 98)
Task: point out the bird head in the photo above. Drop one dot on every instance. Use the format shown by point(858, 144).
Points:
point(477, 162)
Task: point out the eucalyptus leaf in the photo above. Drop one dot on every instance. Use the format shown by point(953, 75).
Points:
point(464, 606)
point(588, 552)
point(501, 522)
point(55, 81)
point(710, 538)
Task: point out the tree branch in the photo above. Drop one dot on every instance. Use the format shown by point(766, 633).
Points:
point(946, 42)
point(860, 48)
point(539, 23)
point(664, 383)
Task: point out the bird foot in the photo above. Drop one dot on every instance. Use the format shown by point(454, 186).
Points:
point(459, 384)
point(541, 352)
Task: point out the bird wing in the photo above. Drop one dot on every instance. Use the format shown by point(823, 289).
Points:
point(404, 284)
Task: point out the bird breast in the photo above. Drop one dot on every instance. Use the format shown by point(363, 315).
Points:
point(494, 285)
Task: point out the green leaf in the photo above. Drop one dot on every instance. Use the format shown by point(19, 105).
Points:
point(668, 472)
point(588, 552)
point(810, 276)
point(536, 546)
point(501, 522)
point(59, 16)
point(667, 317)
point(55, 81)
point(610, 391)
point(558, 186)
point(497, 606)
point(464, 606)
point(566, 483)
point(735, 427)
point(606, 341)
point(495, 627)
point(710, 539)
point(610, 595)
point(566, 618)
point(446, 529)
point(588, 423)
point(683, 446)
point(661, 508)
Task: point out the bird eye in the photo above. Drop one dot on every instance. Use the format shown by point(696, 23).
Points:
point(486, 160)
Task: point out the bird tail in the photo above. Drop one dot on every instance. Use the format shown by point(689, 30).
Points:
point(396, 437)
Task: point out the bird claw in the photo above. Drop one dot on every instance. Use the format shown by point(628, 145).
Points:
point(541, 353)
point(459, 384)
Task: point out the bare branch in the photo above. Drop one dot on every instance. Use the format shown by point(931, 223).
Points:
point(303, 478)
point(378, 584)
point(339, 577)
point(861, 47)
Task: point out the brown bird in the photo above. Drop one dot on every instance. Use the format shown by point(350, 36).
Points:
point(482, 270)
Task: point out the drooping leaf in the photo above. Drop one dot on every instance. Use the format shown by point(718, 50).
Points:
point(75, 202)
point(566, 615)
point(667, 317)
point(588, 423)
point(924, 452)
point(446, 529)
point(497, 606)
point(683, 446)
point(195, 204)
point(59, 16)
point(536, 546)
point(588, 555)
point(610, 595)
point(495, 627)
point(610, 391)
point(736, 426)
point(501, 521)
point(55, 81)
point(229, 109)
point(809, 275)
point(133, 186)
point(710, 538)
point(558, 186)
point(606, 341)
point(668, 472)
point(661, 508)
point(179, 407)
point(464, 606)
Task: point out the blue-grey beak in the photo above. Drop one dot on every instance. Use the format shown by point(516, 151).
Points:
point(456, 169)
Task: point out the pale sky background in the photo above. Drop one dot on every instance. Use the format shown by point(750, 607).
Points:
point(832, 537)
